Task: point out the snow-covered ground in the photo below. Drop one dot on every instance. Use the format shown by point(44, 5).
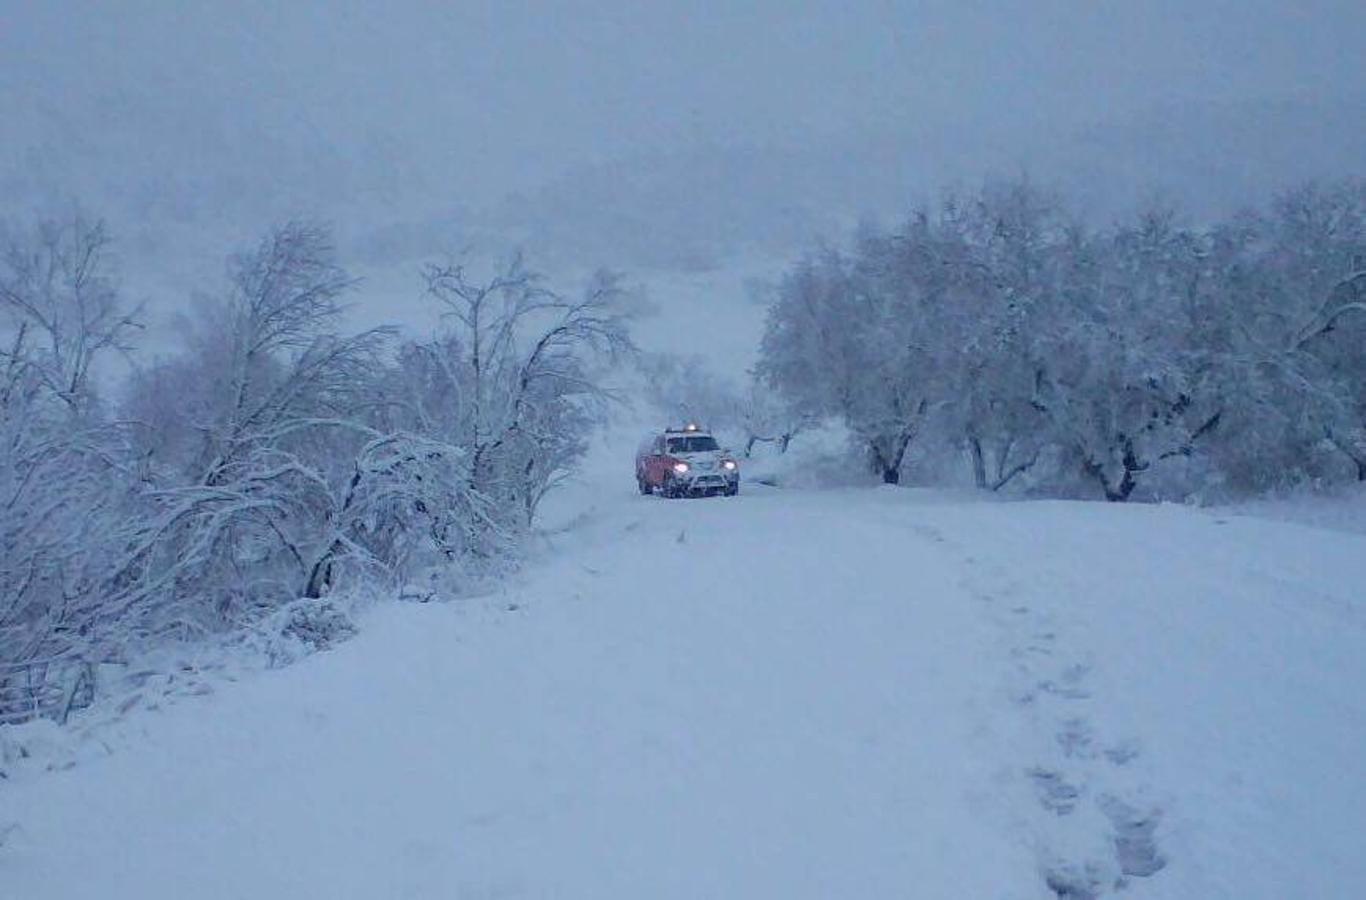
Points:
point(839, 693)
point(1343, 509)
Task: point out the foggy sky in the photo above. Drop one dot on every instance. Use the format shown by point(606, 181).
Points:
point(179, 109)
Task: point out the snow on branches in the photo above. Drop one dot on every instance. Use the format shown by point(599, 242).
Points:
point(516, 370)
point(63, 467)
point(999, 324)
point(276, 458)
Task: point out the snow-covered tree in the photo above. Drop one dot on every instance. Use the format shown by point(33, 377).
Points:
point(1316, 254)
point(1129, 381)
point(765, 417)
point(1293, 333)
point(58, 286)
point(244, 438)
point(515, 378)
point(1008, 329)
point(63, 469)
point(843, 340)
point(989, 262)
point(687, 389)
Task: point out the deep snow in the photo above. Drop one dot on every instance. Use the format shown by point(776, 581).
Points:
point(841, 693)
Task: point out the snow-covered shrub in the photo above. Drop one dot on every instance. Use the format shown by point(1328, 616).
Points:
point(303, 627)
point(410, 506)
point(39, 743)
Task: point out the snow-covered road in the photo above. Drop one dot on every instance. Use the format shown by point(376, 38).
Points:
point(854, 693)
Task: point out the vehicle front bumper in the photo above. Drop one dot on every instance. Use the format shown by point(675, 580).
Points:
point(707, 481)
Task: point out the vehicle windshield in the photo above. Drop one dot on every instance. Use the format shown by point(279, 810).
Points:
point(697, 443)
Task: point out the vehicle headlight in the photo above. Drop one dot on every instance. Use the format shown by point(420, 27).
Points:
point(680, 467)
point(729, 465)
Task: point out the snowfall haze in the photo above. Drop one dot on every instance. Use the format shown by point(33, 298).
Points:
point(335, 561)
point(712, 127)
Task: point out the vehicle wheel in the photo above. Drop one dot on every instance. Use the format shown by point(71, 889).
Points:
point(733, 489)
point(643, 485)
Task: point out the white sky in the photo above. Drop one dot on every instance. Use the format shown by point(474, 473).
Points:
point(462, 102)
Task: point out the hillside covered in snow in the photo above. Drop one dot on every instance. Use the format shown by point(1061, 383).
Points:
point(331, 565)
point(840, 693)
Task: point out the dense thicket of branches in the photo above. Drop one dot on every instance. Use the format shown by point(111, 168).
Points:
point(274, 456)
point(65, 468)
point(1146, 355)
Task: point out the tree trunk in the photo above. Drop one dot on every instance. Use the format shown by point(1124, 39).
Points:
point(979, 464)
point(1127, 482)
point(1004, 478)
point(891, 468)
point(903, 442)
point(1126, 487)
point(321, 575)
point(889, 471)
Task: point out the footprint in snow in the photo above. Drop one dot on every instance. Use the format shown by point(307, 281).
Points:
point(1076, 738)
point(1122, 753)
point(1054, 792)
point(1134, 838)
point(1074, 883)
point(1070, 683)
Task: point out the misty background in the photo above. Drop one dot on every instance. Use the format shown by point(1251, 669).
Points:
point(645, 135)
point(271, 372)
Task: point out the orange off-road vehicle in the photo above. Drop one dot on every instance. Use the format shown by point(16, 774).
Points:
point(686, 462)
